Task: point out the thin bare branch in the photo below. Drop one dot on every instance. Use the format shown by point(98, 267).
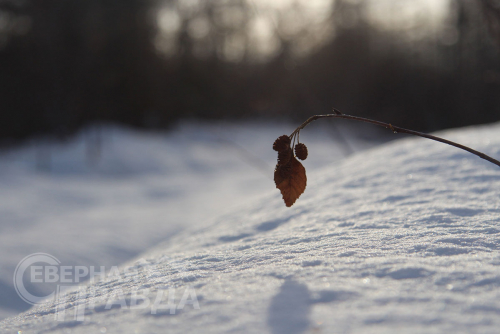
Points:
point(395, 129)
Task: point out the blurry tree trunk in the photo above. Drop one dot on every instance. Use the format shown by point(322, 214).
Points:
point(491, 10)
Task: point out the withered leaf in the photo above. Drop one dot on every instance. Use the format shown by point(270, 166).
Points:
point(291, 180)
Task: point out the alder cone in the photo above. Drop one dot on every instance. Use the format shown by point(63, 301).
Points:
point(284, 156)
point(291, 180)
point(282, 143)
point(301, 151)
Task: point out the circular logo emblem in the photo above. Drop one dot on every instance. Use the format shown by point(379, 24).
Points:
point(21, 269)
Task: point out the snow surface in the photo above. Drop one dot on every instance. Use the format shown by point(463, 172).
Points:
point(61, 199)
point(399, 238)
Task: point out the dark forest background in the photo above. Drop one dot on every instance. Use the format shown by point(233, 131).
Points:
point(68, 63)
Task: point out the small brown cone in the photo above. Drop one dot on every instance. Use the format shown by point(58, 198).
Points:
point(284, 156)
point(282, 143)
point(301, 151)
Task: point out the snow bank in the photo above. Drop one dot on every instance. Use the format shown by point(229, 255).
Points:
point(65, 200)
point(403, 237)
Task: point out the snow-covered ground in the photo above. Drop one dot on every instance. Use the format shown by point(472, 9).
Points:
point(399, 238)
point(62, 199)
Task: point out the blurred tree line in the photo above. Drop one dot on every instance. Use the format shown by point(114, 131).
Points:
point(148, 63)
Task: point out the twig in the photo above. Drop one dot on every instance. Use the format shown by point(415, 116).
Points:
point(395, 129)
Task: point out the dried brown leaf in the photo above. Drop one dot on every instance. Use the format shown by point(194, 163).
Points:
point(291, 180)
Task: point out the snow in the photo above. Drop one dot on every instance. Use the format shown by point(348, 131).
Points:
point(400, 237)
point(58, 198)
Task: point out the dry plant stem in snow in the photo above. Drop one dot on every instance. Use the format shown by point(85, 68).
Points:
point(290, 177)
